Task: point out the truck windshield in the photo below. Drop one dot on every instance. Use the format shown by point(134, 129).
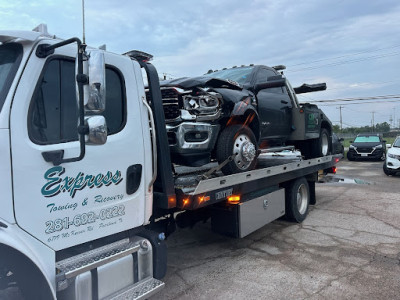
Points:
point(240, 75)
point(10, 58)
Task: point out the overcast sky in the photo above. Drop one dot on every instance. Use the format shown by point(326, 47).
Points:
point(353, 46)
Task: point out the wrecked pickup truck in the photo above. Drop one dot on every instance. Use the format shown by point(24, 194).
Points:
point(228, 115)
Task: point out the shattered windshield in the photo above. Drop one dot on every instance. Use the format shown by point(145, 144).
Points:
point(240, 75)
point(10, 57)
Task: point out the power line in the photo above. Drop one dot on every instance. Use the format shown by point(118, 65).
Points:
point(395, 96)
point(371, 102)
point(346, 55)
point(363, 84)
point(344, 62)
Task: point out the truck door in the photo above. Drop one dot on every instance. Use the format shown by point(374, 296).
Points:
point(274, 109)
point(79, 201)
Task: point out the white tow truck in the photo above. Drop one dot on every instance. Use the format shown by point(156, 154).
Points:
point(88, 191)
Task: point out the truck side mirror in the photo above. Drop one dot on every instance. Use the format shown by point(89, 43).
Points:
point(270, 84)
point(97, 130)
point(95, 90)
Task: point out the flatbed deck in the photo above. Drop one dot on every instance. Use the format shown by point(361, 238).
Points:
point(194, 192)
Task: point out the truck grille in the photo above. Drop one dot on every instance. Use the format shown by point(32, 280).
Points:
point(364, 150)
point(170, 97)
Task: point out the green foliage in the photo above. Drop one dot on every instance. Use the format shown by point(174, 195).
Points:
point(379, 128)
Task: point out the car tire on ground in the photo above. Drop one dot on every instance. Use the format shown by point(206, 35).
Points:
point(237, 140)
point(297, 200)
point(350, 157)
point(386, 170)
point(383, 157)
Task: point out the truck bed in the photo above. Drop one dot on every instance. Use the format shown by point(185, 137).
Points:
point(193, 191)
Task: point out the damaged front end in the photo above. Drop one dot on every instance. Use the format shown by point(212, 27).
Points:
point(191, 121)
point(196, 109)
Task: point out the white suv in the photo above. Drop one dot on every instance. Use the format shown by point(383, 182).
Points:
point(392, 163)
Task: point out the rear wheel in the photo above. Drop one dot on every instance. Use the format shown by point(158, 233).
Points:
point(321, 146)
point(239, 142)
point(297, 200)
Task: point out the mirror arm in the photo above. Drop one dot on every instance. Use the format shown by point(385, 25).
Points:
point(42, 52)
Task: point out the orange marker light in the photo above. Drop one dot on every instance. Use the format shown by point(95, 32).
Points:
point(234, 199)
point(185, 202)
point(203, 199)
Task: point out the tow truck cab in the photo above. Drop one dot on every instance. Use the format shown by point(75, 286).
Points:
point(65, 190)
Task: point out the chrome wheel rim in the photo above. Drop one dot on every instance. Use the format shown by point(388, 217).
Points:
point(324, 144)
point(244, 151)
point(302, 199)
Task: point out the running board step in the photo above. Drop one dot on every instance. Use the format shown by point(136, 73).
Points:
point(73, 266)
point(140, 290)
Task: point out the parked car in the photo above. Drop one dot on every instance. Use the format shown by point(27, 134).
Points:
point(228, 115)
point(367, 146)
point(337, 145)
point(392, 163)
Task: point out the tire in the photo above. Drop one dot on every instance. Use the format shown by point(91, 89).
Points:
point(240, 141)
point(297, 200)
point(386, 170)
point(321, 146)
point(383, 157)
point(350, 157)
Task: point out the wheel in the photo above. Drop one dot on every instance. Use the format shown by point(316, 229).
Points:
point(321, 146)
point(297, 200)
point(383, 157)
point(386, 170)
point(237, 140)
point(350, 157)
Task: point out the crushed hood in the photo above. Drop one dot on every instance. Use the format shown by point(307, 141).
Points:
point(200, 81)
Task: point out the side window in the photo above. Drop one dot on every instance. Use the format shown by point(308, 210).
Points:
point(262, 76)
point(53, 113)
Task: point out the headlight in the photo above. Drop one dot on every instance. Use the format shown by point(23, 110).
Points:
point(378, 147)
point(208, 103)
point(352, 147)
point(393, 156)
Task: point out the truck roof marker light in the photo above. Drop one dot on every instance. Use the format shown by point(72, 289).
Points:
point(234, 199)
point(301, 110)
point(139, 55)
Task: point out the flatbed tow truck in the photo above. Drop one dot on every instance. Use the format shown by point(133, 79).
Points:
point(85, 209)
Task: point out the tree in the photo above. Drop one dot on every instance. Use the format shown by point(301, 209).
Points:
point(382, 127)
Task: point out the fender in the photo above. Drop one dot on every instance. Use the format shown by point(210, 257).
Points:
point(42, 257)
point(245, 113)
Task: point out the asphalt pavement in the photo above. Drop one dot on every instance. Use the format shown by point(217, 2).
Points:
point(347, 248)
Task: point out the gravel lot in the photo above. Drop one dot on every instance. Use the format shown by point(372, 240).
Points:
point(347, 248)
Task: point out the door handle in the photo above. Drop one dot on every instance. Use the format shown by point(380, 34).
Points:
point(284, 102)
point(133, 178)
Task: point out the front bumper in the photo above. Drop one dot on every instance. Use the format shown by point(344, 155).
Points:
point(192, 137)
point(366, 153)
point(191, 143)
point(393, 163)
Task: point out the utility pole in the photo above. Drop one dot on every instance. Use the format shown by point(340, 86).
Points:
point(373, 122)
point(341, 123)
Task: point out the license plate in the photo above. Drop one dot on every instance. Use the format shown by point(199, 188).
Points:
point(364, 154)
